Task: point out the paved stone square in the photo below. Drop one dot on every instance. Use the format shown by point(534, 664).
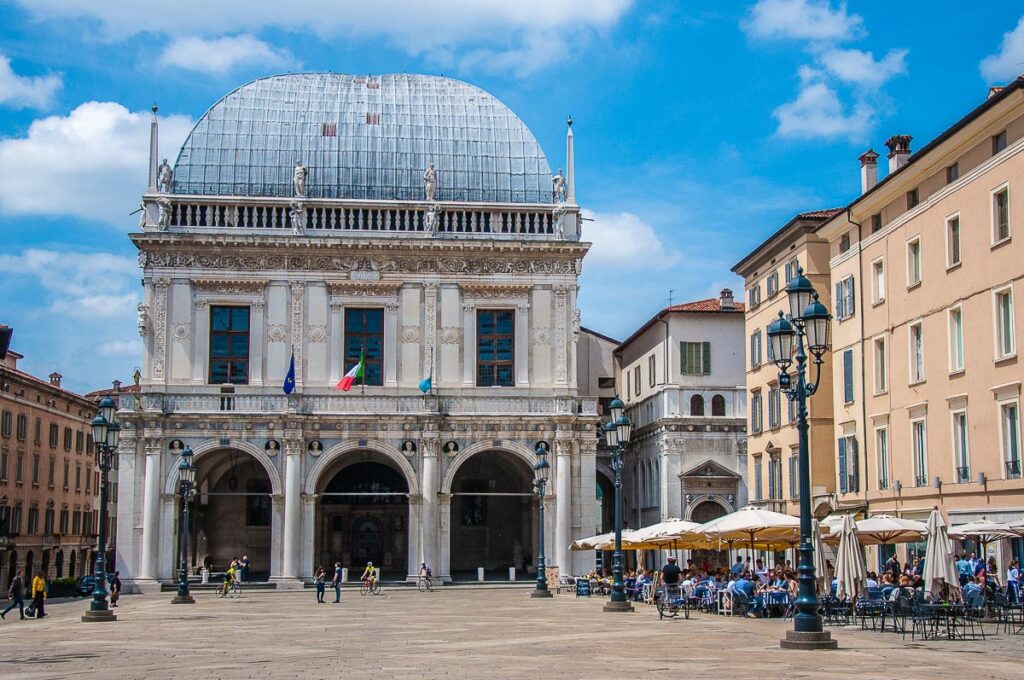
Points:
point(455, 633)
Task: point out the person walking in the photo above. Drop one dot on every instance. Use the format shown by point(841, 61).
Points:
point(39, 595)
point(16, 594)
point(319, 577)
point(115, 588)
point(337, 582)
point(245, 568)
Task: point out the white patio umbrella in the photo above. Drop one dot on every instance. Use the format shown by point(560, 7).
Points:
point(887, 530)
point(752, 524)
point(851, 570)
point(591, 542)
point(820, 563)
point(983, 532)
point(939, 569)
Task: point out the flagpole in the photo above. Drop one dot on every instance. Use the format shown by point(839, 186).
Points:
point(362, 360)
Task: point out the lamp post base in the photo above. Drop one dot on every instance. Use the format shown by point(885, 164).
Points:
point(183, 599)
point(796, 640)
point(98, 616)
point(540, 593)
point(618, 607)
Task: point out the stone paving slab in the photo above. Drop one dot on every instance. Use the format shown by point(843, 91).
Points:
point(463, 634)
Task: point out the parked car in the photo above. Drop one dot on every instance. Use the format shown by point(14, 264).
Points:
point(88, 582)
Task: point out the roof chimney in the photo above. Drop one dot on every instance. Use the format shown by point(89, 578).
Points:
point(726, 300)
point(55, 379)
point(899, 151)
point(994, 90)
point(117, 385)
point(868, 170)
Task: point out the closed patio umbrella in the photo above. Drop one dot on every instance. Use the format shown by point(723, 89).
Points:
point(939, 568)
point(851, 570)
point(820, 563)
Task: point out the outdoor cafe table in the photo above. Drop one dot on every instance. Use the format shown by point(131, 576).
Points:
point(772, 599)
point(948, 615)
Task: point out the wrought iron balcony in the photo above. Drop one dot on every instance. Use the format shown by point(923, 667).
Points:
point(883, 483)
point(963, 475)
point(921, 480)
point(1013, 469)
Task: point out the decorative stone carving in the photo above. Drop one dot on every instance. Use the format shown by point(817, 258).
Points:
point(541, 336)
point(317, 333)
point(181, 331)
point(199, 304)
point(563, 447)
point(299, 178)
point(410, 333)
point(558, 218)
point(272, 447)
point(142, 215)
point(429, 447)
point(164, 177)
point(561, 292)
point(315, 448)
point(363, 289)
point(141, 259)
point(450, 335)
point(430, 323)
point(391, 306)
point(164, 219)
point(228, 286)
point(494, 291)
point(409, 448)
point(160, 328)
point(257, 304)
point(298, 289)
point(430, 183)
point(297, 217)
point(558, 187)
point(143, 318)
point(576, 320)
point(451, 448)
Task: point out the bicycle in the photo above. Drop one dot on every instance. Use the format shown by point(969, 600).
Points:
point(234, 591)
point(371, 587)
point(673, 601)
point(425, 583)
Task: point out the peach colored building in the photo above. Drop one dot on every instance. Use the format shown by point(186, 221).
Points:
point(772, 437)
point(928, 273)
point(48, 479)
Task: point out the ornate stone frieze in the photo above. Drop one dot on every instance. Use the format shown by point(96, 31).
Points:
point(450, 335)
point(228, 286)
point(318, 333)
point(277, 332)
point(364, 288)
point(430, 319)
point(561, 293)
point(160, 328)
point(541, 336)
point(298, 289)
point(495, 291)
point(182, 331)
point(410, 333)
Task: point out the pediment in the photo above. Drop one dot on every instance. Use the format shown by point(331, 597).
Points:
point(709, 469)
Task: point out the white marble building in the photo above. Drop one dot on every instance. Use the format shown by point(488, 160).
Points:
point(298, 221)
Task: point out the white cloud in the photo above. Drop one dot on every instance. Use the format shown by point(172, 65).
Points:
point(860, 68)
point(92, 163)
point(622, 241)
point(131, 349)
point(220, 55)
point(1008, 62)
point(534, 54)
point(817, 112)
point(810, 20)
point(419, 28)
point(24, 92)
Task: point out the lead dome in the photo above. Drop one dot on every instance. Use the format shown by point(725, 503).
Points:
point(363, 137)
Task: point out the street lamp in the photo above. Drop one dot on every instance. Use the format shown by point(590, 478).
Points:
point(806, 329)
point(187, 473)
point(541, 470)
point(617, 433)
point(105, 434)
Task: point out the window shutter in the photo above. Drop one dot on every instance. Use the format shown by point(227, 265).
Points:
point(706, 357)
point(848, 375)
point(854, 482)
point(850, 308)
point(842, 465)
point(839, 301)
point(684, 364)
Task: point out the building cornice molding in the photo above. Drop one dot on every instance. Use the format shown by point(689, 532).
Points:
point(349, 288)
point(216, 286)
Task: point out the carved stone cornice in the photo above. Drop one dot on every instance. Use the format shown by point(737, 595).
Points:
point(228, 286)
point(364, 288)
point(494, 291)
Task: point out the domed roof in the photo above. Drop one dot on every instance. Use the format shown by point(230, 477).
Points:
point(363, 137)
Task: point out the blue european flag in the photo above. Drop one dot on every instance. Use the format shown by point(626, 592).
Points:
point(289, 380)
point(425, 384)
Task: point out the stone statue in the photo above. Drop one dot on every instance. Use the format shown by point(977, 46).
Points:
point(299, 179)
point(297, 215)
point(576, 324)
point(558, 217)
point(142, 259)
point(430, 221)
point(558, 187)
point(165, 213)
point(164, 177)
point(142, 215)
point(143, 318)
point(430, 183)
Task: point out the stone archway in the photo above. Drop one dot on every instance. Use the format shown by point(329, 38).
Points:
point(704, 509)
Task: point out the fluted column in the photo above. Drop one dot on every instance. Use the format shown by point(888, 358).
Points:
point(151, 510)
point(563, 509)
point(292, 548)
point(428, 513)
point(444, 507)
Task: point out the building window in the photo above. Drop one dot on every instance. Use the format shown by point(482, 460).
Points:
point(48, 522)
point(1009, 420)
point(754, 296)
point(38, 439)
point(953, 241)
point(636, 381)
point(956, 340)
point(76, 523)
point(791, 268)
point(952, 173)
point(913, 198)
point(849, 481)
point(696, 405)
point(652, 370)
point(916, 353)
point(718, 405)
point(998, 142)
point(67, 469)
point(772, 284)
point(22, 428)
point(364, 337)
point(848, 376)
point(627, 384)
point(914, 262)
point(78, 477)
point(64, 517)
point(791, 409)
point(881, 366)
point(919, 444)
point(961, 450)
point(1006, 345)
point(695, 358)
point(51, 472)
point(33, 520)
point(755, 349)
point(794, 476)
point(35, 469)
point(878, 281)
point(844, 298)
point(67, 438)
point(4, 457)
point(229, 345)
point(79, 441)
point(876, 222)
point(1000, 215)
point(756, 424)
point(758, 489)
point(844, 242)
point(882, 449)
point(54, 435)
point(5, 424)
point(774, 407)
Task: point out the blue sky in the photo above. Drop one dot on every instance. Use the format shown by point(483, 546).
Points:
point(700, 126)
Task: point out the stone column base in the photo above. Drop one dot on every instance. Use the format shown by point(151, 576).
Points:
point(183, 599)
point(619, 607)
point(145, 586)
point(540, 593)
point(98, 617)
point(795, 640)
point(287, 582)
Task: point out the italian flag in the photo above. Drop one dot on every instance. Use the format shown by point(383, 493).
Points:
point(345, 384)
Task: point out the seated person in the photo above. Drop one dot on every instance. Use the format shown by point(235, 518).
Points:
point(872, 580)
point(972, 587)
point(745, 586)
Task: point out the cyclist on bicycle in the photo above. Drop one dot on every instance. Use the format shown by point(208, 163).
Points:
point(369, 574)
point(229, 579)
point(425, 570)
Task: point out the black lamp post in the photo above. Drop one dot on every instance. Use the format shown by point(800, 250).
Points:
point(105, 435)
point(617, 433)
point(808, 325)
point(187, 473)
point(541, 470)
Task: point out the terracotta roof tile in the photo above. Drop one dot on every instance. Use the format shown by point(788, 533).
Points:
point(709, 305)
point(821, 214)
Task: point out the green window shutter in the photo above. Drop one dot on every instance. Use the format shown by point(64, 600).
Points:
point(842, 465)
point(706, 353)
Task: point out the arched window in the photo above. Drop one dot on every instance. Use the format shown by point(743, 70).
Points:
point(696, 405)
point(718, 405)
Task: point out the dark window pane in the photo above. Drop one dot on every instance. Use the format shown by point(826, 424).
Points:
point(219, 345)
point(364, 335)
point(240, 319)
point(220, 318)
point(485, 375)
point(239, 345)
point(504, 322)
point(218, 372)
point(229, 345)
point(505, 375)
point(495, 347)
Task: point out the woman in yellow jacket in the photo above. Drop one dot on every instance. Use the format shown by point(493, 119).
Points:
point(39, 595)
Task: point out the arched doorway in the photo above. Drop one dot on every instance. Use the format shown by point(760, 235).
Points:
point(60, 564)
point(72, 563)
point(493, 516)
point(230, 515)
point(363, 515)
point(703, 512)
